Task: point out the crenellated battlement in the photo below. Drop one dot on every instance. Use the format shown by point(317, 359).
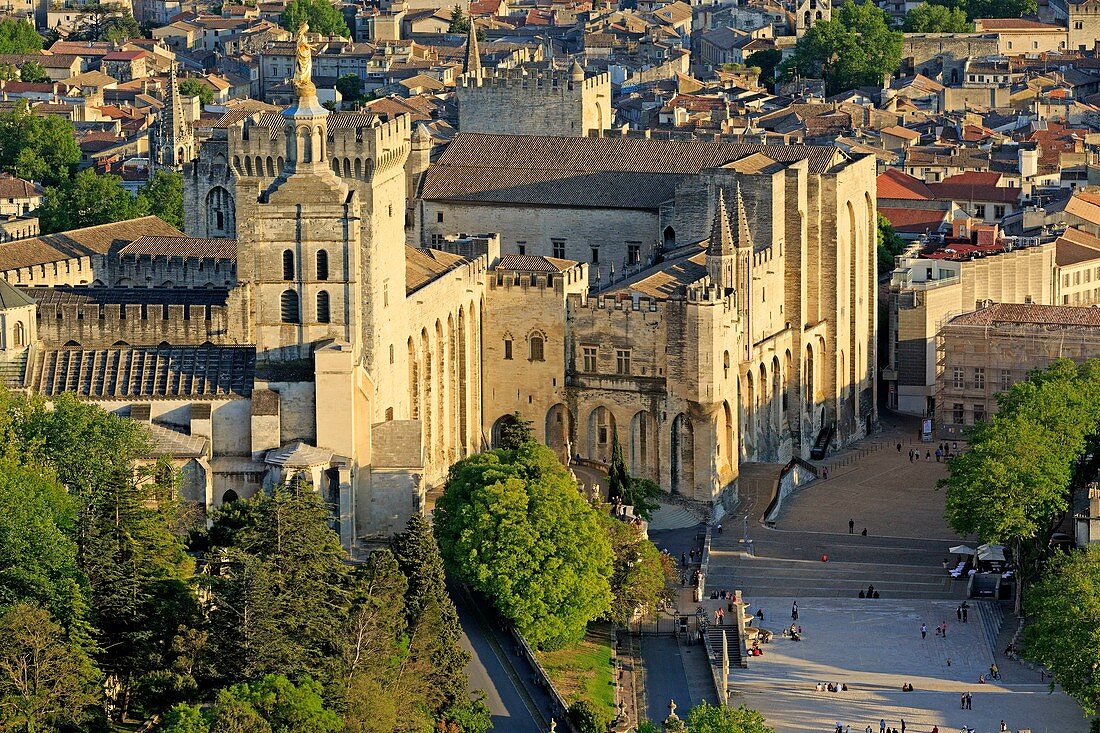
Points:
point(539, 80)
point(105, 324)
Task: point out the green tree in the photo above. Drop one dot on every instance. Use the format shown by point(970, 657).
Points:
point(163, 196)
point(428, 608)
point(127, 530)
point(460, 22)
point(19, 37)
point(587, 718)
point(279, 594)
point(37, 552)
point(856, 48)
point(191, 87)
point(927, 18)
point(45, 680)
point(889, 245)
point(106, 21)
point(638, 493)
point(1063, 610)
point(350, 87)
point(323, 17)
point(38, 148)
point(273, 704)
point(32, 71)
point(88, 199)
point(705, 718)
point(991, 8)
point(641, 573)
point(513, 525)
point(767, 61)
point(515, 431)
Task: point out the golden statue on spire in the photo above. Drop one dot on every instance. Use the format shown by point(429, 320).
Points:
point(303, 62)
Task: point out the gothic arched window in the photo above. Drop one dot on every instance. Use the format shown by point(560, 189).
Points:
point(288, 303)
point(288, 264)
point(322, 264)
point(322, 307)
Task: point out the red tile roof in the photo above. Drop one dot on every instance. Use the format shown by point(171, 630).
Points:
point(1056, 315)
point(914, 221)
point(896, 184)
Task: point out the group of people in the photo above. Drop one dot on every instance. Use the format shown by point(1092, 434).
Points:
point(793, 632)
point(832, 686)
point(869, 593)
point(943, 452)
point(962, 612)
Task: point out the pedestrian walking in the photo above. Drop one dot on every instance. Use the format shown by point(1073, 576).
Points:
point(965, 610)
point(928, 455)
point(1004, 727)
point(969, 701)
point(939, 454)
point(962, 701)
point(851, 526)
point(719, 528)
point(923, 631)
point(882, 726)
point(944, 629)
point(899, 453)
point(903, 725)
point(794, 611)
point(959, 612)
point(824, 473)
point(683, 560)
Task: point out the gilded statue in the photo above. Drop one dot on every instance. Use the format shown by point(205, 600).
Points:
point(303, 60)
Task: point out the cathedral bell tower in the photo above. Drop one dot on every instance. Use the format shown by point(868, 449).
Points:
point(299, 240)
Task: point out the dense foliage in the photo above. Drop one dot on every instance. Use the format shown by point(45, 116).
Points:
point(705, 718)
point(1063, 610)
point(640, 573)
point(991, 8)
point(191, 87)
point(39, 148)
point(1015, 480)
point(322, 15)
point(105, 21)
point(100, 620)
point(927, 18)
point(856, 48)
point(639, 493)
point(18, 37)
point(512, 524)
point(33, 71)
point(889, 245)
point(87, 199)
point(163, 197)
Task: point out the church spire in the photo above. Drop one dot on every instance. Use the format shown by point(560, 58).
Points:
point(173, 135)
point(471, 63)
point(721, 259)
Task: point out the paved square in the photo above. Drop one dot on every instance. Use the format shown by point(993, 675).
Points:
point(874, 647)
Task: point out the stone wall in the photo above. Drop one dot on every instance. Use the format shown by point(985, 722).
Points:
point(535, 102)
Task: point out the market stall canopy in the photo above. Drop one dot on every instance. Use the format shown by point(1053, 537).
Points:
point(961, 550)
point(991, 553)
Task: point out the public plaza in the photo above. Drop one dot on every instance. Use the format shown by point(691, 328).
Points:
point(874, 646)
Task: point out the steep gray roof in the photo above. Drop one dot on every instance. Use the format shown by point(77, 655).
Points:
point(12, 298)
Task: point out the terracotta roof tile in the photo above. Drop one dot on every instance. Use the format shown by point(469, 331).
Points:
point(896, 184)
point(97, 240)
point(161, 246)
point(1013, 313)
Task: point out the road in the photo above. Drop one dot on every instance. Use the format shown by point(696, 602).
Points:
point(494, 669)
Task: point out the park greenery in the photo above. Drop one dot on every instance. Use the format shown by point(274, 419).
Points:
point(926, 18)
point(1062, 610)
point(117, 603)
point(39, 148)
point(856, 48)
point(889, 245)
point(706, 718)
point(322, 15)
point(640, 493)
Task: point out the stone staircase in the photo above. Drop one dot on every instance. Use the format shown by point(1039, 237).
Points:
point(764, 577)
point(12, 370)
point(673, 516)
point(992, 616)
point(714, 645)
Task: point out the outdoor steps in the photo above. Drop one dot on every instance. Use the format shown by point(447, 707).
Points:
point(770, 577)
point(714, 639)
point(672, 516)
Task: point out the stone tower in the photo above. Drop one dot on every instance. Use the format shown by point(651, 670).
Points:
point(721, 252)
point(173, 140)
point(471, 63)
point(298, 251)
point(808, 12)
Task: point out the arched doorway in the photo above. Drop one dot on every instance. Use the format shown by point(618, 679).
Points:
point(683, 455)
point(229, 497)
point(559, 434)
point(601, 426)
point(496, 435)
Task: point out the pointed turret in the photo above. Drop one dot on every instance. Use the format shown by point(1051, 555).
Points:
point(175, 144)
point(576, 71)
point(471, 63)
point(722, 250)
point(741, 237)
point(721, 238)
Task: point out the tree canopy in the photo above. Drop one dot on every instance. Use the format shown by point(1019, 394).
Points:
point(323, 17)
point(1063, 611)
point(512, 524)
point(705, 718)
point(638, 493)
point(767, 61)
point(39, 148)
point(163, 196)
point(990, 8)
point(272, 704)
point(33, 71)
point(515, 431)
point(191, 87)
point(640, 575)
point(18, 37)
point(87, 199)
point(1015, 480)
point(889, 245)
point(926, 18)
point(856, 48)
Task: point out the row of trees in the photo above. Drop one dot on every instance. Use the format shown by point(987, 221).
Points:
point(1014, 486)
point(512, 524)
point(100, 612)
